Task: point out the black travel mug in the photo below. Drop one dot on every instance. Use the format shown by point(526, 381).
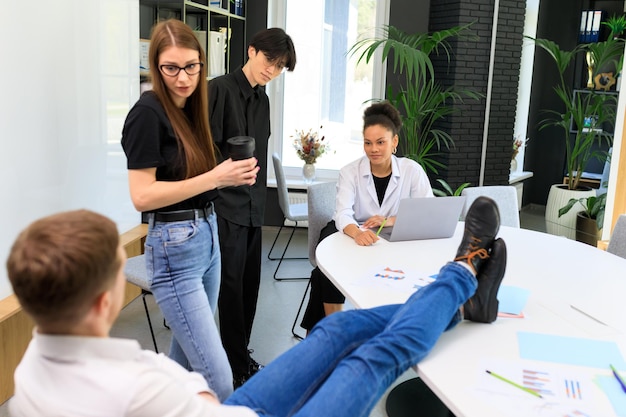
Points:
point(240, 147)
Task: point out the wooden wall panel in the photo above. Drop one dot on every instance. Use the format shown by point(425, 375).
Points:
point(619, 204)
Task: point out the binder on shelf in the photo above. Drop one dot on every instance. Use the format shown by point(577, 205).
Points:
point(217, 54)
point(582, 34)
point(144, 63)
point(590, 23)
point(201, 36)
point(595, 26)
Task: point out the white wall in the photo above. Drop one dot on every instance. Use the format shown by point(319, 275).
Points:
point(69, 74)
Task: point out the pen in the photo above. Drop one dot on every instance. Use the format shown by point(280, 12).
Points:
point(619, 378)
point(381, 226)
point(501, 378)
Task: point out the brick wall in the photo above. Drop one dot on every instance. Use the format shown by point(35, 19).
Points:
point(469, 68)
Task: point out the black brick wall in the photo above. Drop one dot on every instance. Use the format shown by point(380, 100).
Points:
point(469, 68)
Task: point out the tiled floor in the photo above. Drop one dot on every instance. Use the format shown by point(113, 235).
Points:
point(278, 304)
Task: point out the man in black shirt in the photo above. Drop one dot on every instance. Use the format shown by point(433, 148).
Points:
point(239, 106)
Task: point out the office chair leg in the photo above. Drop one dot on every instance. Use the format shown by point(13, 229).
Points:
point(269, 254)
point(295, 321)
point(280, 260)
point(145, 305)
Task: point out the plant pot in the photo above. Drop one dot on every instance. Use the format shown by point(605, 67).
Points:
point(558, 197)
point(587, 229)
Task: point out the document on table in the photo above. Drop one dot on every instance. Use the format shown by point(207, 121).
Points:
point(396, 278)
point(511, 299)
point(565, 390)
point(570, 350)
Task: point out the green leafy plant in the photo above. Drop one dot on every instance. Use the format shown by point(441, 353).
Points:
point(421, 99)
point(616, 24)
point(447, 189)
point(593, 207)
point(586, 112)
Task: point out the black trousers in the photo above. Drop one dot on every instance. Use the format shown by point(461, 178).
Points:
point(240, 247)
point(322, 290)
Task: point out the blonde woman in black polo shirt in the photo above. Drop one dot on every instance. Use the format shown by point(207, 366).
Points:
point(173, 175)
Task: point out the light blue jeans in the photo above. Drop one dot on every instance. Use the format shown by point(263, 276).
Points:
point(183, 259)
point(349, 359)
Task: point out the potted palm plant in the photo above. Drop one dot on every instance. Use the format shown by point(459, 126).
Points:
point(590, 219)
point(585, 116)
point(421, 99)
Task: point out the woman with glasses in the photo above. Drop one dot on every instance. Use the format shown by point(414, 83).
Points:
point(173, 176)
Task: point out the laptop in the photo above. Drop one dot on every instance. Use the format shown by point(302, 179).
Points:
point(425, 218)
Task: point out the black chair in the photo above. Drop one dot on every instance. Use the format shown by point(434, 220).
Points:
point(412, 398)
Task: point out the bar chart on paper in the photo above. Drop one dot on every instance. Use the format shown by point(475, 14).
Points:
point(564, 391)
point(548, 384)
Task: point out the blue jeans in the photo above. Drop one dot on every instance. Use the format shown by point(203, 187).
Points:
point(183, 261)
point(349, 359)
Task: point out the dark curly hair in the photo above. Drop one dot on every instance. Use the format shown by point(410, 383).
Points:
point(384, 114)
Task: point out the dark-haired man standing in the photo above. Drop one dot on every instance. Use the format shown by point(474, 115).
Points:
point(239, 106)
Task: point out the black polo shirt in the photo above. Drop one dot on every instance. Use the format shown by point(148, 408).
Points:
point(237, 109)
point(149, 141)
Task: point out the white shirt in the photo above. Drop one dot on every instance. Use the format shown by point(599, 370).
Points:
point(92, 376)
point(357, 200)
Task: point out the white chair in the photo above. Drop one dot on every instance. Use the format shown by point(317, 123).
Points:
point(137, 274)
point(294, 212)
point(321, 207)
point(617, 243)
point(505, 197)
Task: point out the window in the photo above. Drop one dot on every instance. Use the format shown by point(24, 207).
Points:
point(327, 88)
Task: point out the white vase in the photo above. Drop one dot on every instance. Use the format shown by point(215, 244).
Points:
point(308, 173)
point(558, 197)
point(514, 165)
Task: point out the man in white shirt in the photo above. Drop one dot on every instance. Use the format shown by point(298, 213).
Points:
point(67, 271)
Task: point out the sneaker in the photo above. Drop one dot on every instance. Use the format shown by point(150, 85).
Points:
point(482, 307)
point(482, 223)
point(253, 365)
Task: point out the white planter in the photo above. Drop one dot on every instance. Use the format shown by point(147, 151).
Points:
point(558, 197)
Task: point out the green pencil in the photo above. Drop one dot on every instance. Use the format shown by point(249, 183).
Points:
point(501, 378)
point(381, 226)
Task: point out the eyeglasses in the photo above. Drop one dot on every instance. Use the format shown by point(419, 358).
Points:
point(278, 64)
point(173, 70)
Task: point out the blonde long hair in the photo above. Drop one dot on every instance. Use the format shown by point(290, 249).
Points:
point(193, 132)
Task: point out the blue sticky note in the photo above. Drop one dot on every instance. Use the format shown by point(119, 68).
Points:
point(612, 389)
point(512, 299)
point(570, 350)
